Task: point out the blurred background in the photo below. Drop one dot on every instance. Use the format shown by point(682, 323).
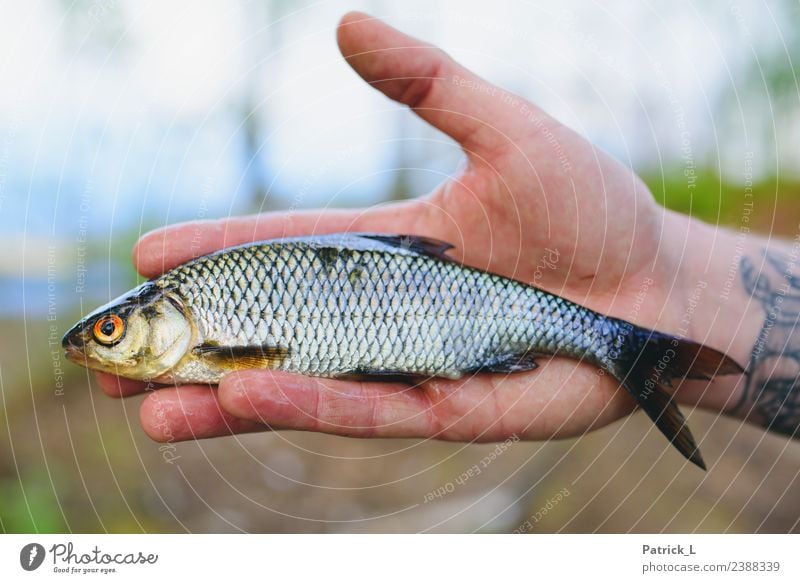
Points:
point(117, 117)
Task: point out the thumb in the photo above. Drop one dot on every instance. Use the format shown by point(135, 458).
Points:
point(442, 92)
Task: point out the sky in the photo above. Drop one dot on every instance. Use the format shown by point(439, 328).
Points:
point(126, 115)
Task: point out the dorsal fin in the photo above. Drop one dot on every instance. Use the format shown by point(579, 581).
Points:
point(416, 243)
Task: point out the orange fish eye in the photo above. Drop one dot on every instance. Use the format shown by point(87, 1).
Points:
point(108, 329)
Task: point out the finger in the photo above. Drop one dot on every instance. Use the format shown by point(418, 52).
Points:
point(162, 249)
point(558, 400)
point(119, 387)
point(189, 412)
point(477, 114)
point(358, 409)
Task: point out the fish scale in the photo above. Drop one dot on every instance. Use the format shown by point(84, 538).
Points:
point(339, 308)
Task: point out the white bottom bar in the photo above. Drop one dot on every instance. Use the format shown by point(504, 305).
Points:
point(402, 558)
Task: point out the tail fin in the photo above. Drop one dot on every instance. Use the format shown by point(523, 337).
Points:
point(648, 364)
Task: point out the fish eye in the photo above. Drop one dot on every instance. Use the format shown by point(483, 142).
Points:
point(109, 329)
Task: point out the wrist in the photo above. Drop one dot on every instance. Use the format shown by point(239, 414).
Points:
point(713, 306)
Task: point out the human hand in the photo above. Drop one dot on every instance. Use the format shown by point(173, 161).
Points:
point(535, 202)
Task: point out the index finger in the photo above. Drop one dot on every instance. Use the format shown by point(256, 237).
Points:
point(119, 387)
point(161, 250)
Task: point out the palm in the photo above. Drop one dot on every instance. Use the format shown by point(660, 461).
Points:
point(508, 226)
point(530, 190)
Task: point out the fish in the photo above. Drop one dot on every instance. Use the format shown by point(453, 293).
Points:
point(374, 306)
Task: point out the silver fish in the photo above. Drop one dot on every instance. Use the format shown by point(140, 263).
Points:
point(372, 306)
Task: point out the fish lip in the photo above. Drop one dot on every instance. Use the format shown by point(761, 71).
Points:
point(73, 343)
point(68, 340)
point(74, 354)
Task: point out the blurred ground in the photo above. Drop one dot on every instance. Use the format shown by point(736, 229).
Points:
point(79, 462)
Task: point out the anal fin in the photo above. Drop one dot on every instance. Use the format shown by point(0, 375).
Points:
point(364, 374)
point(508, 363)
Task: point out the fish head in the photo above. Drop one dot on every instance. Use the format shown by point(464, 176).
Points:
point(140, 335)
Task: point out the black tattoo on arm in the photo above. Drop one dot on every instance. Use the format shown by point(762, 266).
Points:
point(772, 391)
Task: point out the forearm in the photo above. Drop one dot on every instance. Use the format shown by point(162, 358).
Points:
point(748, 306)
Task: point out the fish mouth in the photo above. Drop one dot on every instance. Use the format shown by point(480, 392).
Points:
point(75, 354)
point(72, 343)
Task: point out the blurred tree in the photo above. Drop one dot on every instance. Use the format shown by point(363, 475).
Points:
point(763, 100)
point(92, 24)
point(256, 17)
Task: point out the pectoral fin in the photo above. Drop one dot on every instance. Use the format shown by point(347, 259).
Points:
point(242, 357)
